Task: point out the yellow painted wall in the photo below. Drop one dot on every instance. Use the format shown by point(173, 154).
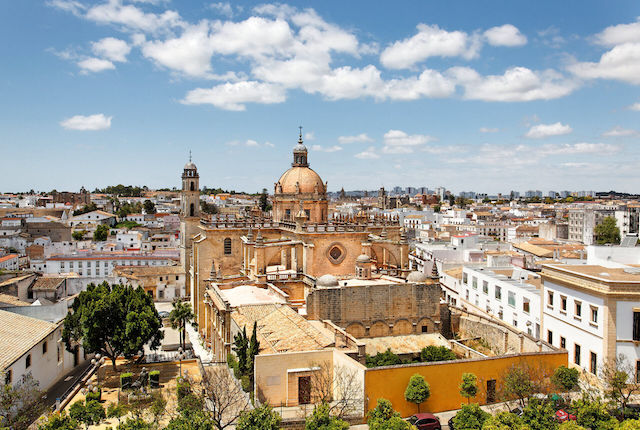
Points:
point(444, 379)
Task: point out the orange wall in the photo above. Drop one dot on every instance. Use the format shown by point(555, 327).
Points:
point(444, 379)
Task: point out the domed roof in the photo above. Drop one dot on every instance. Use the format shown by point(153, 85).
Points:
point(327, 281)
point(306, 178)
point(416, 277)
point(363, 258)
point(299, 148)
point(190, 166)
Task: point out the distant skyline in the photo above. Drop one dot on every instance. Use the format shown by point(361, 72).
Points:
point(487, 96)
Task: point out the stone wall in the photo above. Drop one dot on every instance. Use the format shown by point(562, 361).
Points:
point(378, 310)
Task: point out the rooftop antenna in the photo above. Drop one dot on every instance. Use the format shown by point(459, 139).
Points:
point(300, 135)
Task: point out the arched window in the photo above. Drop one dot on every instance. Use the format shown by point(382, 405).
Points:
point(193, 186)
point(192, 209)
point(227, 246)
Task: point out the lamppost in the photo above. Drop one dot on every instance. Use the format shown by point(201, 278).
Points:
point(98, 361)
point(180, 355)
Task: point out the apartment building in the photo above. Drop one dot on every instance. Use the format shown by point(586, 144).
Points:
point(94, 264)
point(583, 221)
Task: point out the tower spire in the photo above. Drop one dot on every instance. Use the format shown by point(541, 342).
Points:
point(189, 156)
point(300, 135)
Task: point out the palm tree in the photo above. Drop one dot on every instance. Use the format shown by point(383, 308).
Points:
point(180, 315)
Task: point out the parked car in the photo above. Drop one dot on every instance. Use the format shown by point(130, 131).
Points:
point(450, 423)
point(516, 411)
point(425, 421)
point(564, 416)
point(163, 314)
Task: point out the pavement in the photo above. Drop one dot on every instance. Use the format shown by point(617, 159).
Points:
point(59, 388)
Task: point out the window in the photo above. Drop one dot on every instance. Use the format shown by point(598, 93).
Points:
point(563, 303)
point(227, 246)
point(498, 293)
point(28, 361)
point(550, 299)
point(467, 295)
point(525, 305)
point(59, 351)
point(177, 277)
point(512, 299)
point(576, 354)
point(44, 347)
point(578, 309)
point(474, 283)
point(636, 326)
point(550, 337)
point(563, 343)
point(485, 287)
point(465, 279)
point(594, 314)
point(593, 365)
point(8, 376)
point(515, 320)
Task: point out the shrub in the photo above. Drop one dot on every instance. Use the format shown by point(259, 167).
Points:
point(504, 421)
point(94, 396)
point(246, 383)
point(183, 388)
point(470, 417)
point(125, 380)
point(565, 378)
point(321, 419)
point(262, 418)
point(386, 358)
point(436, 353)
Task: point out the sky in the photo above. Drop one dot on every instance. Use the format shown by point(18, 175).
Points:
point(489, 96)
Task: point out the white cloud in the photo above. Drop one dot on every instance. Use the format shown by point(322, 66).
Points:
point(430, 41)
point(90, 122)
point(546, 130)
point(250, 143)
point(233, 96)
point(619, 34)
point(309, 136)
point(578, 148)
point(618, 131)
point(399, 142)
point(224, 8)
point(505, 35)
point(517, 84)
point(71, 6)
point(620, 63)
point(133, 18)
point(362, 137)
point(334, 148)
point(112, 49)
point(95, 65)
point(635, 106)
point(368, 154)
point(489, 130)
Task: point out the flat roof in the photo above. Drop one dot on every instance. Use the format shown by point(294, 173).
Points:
point(601, 273)
point(244, 295)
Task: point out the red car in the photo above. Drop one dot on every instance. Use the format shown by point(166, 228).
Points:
point(425, 421)
point(564, 416)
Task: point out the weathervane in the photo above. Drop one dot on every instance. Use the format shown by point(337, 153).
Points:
point(300, 138)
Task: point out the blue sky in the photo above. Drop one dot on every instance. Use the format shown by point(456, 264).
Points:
point(470, 95)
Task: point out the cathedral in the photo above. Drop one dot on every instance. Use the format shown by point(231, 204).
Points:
point(296, 248)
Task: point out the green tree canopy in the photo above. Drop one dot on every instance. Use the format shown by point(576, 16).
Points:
point(383, 417)
point(261, 418)
point(470, 417)
point(59, 421)
point(593, 413)
point(436, 353)
point(149, 207)
point(565, 378)
point(78, 234)
point(180, 316)
point(504, 421)
point(386, 358)
point(469, 386)
point(101, 234)
point(607, 231)
point(113, 320)
point(418, 390)
point(20, 402)
point(208, 208)
point(539, 415)
point(321, 419)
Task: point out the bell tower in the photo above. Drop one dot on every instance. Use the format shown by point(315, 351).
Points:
point(190, 196)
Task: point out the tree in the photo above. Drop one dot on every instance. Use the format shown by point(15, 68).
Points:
point(89, 413)
point(253, 349)
point(78, 234)
point(504, 421)
point(565, 378)
point(593, 414)
point(629, 425)
point(436, 353)
point(180, 316)
point(264, 201)
point(20, 403)
point(225, 397)
point(261, 418)
point(386, 358)
point(383, 417)
point(149, 207)
point(116, 410)
point(418, 390)
point(607, 232)
point(469, 386)
point(521, 381)
point(112, 320)
point(240, 347)
point(321, 419)
point(619, 382)
point(101, 233)
point(134, 424)
point(208, 208)
point(570, 425)
point(58, 421)
point(539, 415)
point(470, 417)
point(337, 386)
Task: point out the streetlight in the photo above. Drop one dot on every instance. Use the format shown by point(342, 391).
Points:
point(180, 352)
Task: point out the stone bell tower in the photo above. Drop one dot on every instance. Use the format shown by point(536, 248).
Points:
point(189, 218)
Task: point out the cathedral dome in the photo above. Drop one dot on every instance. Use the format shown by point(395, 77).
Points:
point(363, 258)
point(307, 179)
point(190, 166)
point(416, 277)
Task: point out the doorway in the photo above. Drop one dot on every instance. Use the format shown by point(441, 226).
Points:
point(304, 390)
point(491, 391)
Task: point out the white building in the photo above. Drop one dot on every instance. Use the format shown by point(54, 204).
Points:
point(92, 219)
point(96, 265)
point(594, 312)
point(129, 239)
point(10, 262)
point(510, 294)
